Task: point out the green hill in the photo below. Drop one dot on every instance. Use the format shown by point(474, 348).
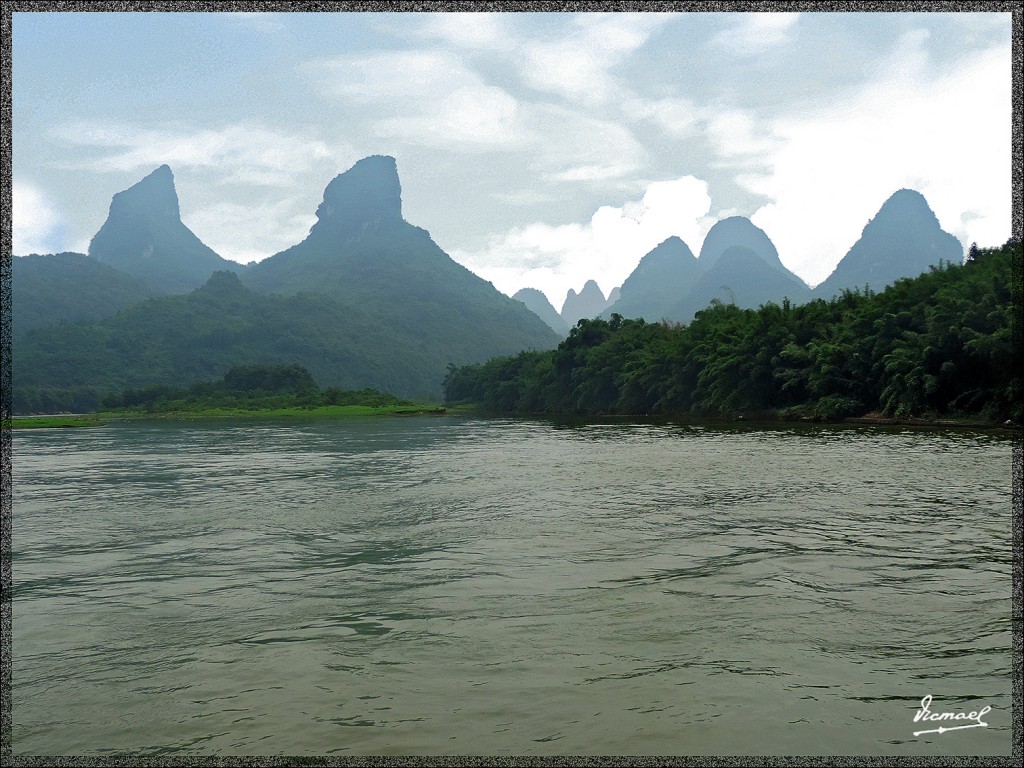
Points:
point(66, 287)
point(176, 340)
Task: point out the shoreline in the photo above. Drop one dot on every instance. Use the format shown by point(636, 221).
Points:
point(102, 418)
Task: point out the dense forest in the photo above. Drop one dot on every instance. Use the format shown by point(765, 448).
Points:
point(249, 387)
point(939, 344)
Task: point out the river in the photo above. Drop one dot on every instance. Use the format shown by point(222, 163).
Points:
point(450, 585)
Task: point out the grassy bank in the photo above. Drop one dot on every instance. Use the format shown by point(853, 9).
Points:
point(317, 412)
point(54, 422)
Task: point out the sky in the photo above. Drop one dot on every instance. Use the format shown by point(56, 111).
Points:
point(538, 149)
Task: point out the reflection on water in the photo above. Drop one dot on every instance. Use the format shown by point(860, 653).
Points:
point(454, 586)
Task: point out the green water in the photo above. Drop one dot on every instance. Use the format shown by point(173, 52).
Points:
point(444, 585)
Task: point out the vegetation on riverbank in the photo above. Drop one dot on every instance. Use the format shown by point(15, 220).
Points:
point(248, 391)
point(938, 345)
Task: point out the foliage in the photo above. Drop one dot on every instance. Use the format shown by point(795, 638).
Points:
point(68, 286)
point(941, 343)
point(249, 387)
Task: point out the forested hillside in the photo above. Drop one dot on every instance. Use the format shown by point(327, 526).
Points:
point(177, 340)
point(940, 343)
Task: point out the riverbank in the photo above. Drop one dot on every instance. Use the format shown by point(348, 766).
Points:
point(323, 411)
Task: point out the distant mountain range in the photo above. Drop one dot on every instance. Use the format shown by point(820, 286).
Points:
point(740, 265)
point(367, 299)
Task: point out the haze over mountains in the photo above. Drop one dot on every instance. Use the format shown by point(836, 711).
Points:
point(367, 299)
point(740, 265)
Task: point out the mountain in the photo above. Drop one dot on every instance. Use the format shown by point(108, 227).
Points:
point(661, 279)
point(737, 231)
point(538, 303)
point(363, 254)
point(66, 287)
point(738, 275)
point(179, 339)
point(588, 303)
point(144, 237)
point(902, 240)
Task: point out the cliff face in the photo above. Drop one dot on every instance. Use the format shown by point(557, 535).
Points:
point(144, 237)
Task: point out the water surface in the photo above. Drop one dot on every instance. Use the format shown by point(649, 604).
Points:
point(441, 585)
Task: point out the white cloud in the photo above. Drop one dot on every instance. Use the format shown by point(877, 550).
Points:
point(480, 117)
point(948, 138)
point(468, 30)
point(37, 226)
point(739, 138)
point(578, 66)
point(577, 147)
point(426, 97)
point(554, 259)
point(677, 116)
point(250, 231)
point(246, 154)
point(755, 33)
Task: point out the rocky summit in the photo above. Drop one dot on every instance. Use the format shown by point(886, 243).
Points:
point(902, 240)
point(144, 237)
point(737, 231)
point(588, 303)
point(368, 194)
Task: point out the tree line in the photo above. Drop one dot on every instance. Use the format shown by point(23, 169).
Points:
point(248, 387)
point(942, 343)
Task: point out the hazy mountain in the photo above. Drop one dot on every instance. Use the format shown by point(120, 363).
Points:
point(588, 303)
point(179, 339)
point(737, 231)
point(902, 240)
point(660, 281)
point(144, 236)
point(740, 276)
point(363, 253)
point(614, 294)
point(538, 303)
point(68, 286)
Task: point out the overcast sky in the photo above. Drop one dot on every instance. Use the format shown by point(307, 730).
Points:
point(538, 149)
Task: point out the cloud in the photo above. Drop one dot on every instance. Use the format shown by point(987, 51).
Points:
point(245, 232)
point(555, 258)
point(677, 117)
point(468, 30)
point(755, 33)
point(37, 225)
point(425, 97)
point(246, 154)
point(578, 66)
point(947, 137)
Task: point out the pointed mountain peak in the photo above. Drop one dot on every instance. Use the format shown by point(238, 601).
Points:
point(673, 248)
point(740, 231)
point(367, 193)
point(588, 303)
point(902, 240)
point(154, 196)
point(904, 207)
